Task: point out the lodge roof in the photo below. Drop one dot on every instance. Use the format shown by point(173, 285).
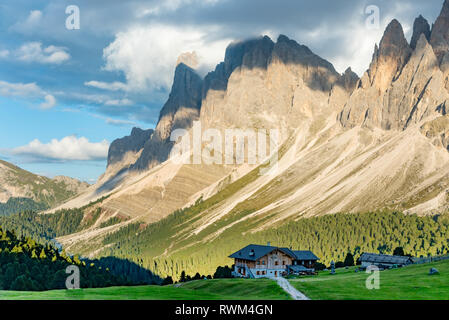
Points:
point(299, 268)
point(253, 252)
point(384, 258)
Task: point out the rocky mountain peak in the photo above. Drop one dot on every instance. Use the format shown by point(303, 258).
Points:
point(389, 58)
point(180, 110)
point(348, 80)
point(189, 59)
point(439, 38)
point(420, 26)
point(393, 43)
point(132, 143)
point(186, 93)
point(253, 53)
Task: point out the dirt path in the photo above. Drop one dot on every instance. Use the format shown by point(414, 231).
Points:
point(284, 284)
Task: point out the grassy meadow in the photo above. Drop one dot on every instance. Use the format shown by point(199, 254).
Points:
point(223, 289)
point(407, 283)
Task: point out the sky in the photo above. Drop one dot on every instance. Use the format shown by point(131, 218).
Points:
point(68, 90)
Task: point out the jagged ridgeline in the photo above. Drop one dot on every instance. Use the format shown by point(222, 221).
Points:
point(378, 143)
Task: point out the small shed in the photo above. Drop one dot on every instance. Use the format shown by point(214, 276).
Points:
point(384, 260)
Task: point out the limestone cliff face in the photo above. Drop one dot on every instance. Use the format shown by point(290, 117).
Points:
point(180, 110)
point(401, 87)
point(440, 33)
point(259, 84)
point(420, 26)
point(389, 58)
point(266, 84)
point(438, 131)
point(132, 143)
point(440, 41)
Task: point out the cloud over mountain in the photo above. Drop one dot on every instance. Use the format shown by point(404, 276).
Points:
point(147, 55)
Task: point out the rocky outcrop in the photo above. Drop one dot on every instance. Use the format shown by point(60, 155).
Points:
point(389, 58)
point(266, 84)
point(420, 26)
point(348, 80)
point(316, 72)
point(71, 185)
point(254, 53)
point(132, 143)
point(440, 41)
point(440, 33)
point(437, 131)
point(401, 87)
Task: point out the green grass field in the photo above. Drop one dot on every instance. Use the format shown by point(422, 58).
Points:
point(223, 289)
point(408, 283)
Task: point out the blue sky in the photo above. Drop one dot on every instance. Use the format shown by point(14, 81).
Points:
point(66, 94)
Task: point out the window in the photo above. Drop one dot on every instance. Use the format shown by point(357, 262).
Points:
point(276, 263)
point(283, 263)
point(258, 262)
point(257, 272)
point(263, 262)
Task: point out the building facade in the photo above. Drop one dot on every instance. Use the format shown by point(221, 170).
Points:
point(257, 261)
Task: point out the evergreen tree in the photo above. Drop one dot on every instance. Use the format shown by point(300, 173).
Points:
point(349, 260)
point(399, 251)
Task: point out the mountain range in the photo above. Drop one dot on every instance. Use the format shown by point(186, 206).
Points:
point(347, 144)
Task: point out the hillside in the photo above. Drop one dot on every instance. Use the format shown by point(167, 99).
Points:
point(23, 190)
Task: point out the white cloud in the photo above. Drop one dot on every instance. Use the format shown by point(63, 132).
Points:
point(4, 54)
point(34, 18)
point(33, 52)
point(120, 123)
point(165, 6)
point(111, 86)
point(8, 89)
point(119, 102)
point(69, 148)
point(30, 24)
point(147, 55)
point(28, 91)
point(49, 103)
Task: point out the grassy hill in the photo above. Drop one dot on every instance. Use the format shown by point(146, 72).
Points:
point(408, 283)
point(222, 289)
